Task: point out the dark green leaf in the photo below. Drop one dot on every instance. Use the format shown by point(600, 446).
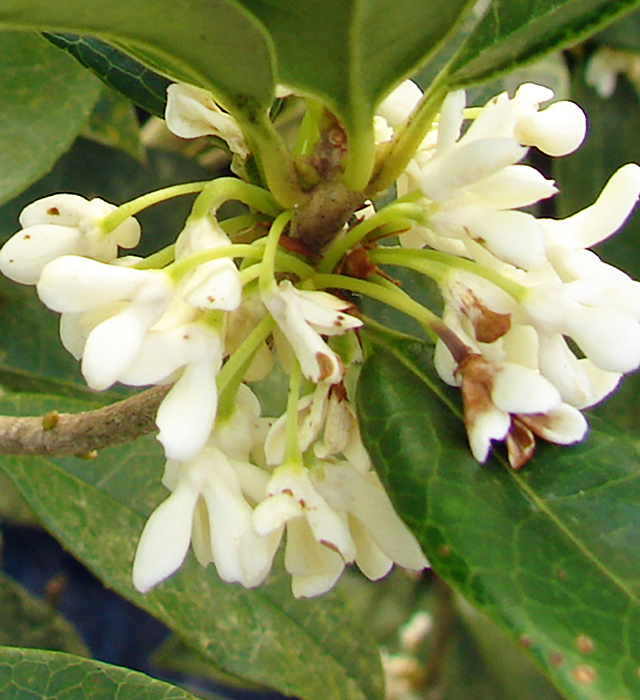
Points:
point(51, 98)
point(211, 43)
point(514, 32)
point(552, 553)
point(26, 621)
point(311, 649)
point(623, 34)
point(26, 674)
point(352, 52)
point(144, 87)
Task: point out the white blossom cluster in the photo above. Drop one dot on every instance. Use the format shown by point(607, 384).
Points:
point(210, 317)
point(233, 492)
point(535, 284)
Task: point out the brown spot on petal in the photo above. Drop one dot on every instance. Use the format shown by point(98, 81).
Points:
point(26, 237)
point(520, 444)
point(585, 644)
point(53, 211)
point(476, 378)
point(488, 325)
point(584, 674)
point(325, 364)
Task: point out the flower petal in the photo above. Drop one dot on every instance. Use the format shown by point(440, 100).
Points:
point(165, 539)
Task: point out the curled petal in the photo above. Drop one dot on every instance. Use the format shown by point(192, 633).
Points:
point(563, 425)
point(556, 131)
point(604, 217)
point(191, 112)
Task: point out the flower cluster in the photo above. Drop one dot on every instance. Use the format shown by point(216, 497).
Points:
point(215, 312)
point(519, 287)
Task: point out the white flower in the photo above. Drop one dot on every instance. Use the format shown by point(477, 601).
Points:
point(192, 112)
point(132, 299)
point(305, 316)
point(63, 224)
point(208, 505)
point(472, 184)
point(510, 402)
point(557, 130)
point(335, 515)
point(326, 418)
point(399, 103)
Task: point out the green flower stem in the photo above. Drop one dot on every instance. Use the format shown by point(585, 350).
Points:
point(124, 211)
point(232, 373)
point(284, 260)
point(438, 266)
point(235, 250)
point(223, 189)
point(360, 156)
point(401, 212)
point(292, 453)
point(158, 260)
point(406, 141)
point(275, 159)
point(378, 288)
point(267, 274)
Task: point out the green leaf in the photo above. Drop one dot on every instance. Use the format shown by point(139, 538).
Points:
point(623, 34)
point(352, 52)
point(51, 99)
point(144, 87)
point(176, 656)
point(311, 649)
point(26, 621)
point(513, 32)
point(552, 553)
point(114, 123)
point(26, 674)
point(211, 43)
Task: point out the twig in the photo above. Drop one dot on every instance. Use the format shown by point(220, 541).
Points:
point(82, 433)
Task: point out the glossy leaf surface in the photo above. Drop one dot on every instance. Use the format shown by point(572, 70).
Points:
point(51, 99)
point(513, 32)
point(142, 86)
point(211, 43)
point(97, 509)
point(351, 52)
point(551, 552)
point(27, 673)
